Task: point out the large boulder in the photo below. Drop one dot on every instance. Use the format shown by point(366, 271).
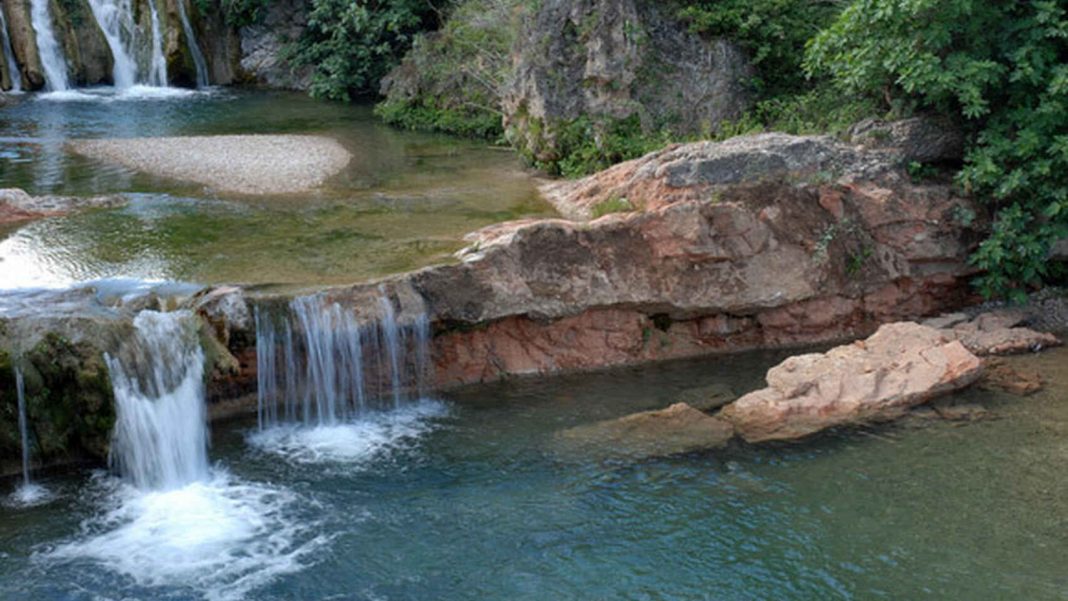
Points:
point(610, 61)
point(877, 379)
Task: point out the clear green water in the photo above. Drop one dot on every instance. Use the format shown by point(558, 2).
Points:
point(405, 200)
point(478, 502)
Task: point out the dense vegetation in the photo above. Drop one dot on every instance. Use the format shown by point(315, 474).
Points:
point(1002, 68)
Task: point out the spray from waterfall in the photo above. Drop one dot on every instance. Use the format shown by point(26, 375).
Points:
point(52, 60)
point(160, 440)
point(9, 56)
point(115, 18)
point(194, 48)
point(319, 365)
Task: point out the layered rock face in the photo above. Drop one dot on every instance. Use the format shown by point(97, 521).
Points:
point(778, 257)
point(609, 61)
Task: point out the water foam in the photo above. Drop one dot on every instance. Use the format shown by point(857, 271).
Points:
point(359, 441)
point(221, 538)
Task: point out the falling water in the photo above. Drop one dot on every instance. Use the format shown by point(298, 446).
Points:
point(194, 48)
point(9, 56)
point(318, 365)
point(20, 391)
point(52, 61)
point(160, 440)
point(157, 74)
point(28, 493)
point(115, 18)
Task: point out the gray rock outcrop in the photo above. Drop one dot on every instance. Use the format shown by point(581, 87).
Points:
point(615, 60)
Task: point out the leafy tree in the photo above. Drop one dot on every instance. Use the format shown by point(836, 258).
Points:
point(1002, 67)
point(353, 43)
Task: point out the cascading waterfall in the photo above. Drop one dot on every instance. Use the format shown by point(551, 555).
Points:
point(318, 365)
point(52, 60)
point(161, 438)
point(194, 48)
point(157, 73)
point(9, 56)
point(116, 23)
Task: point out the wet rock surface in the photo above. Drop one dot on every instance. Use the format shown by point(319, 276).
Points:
point(263, 46)
point(877, 379)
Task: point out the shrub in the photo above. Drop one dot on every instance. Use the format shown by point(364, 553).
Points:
point(352, 44)
point(1000, 66)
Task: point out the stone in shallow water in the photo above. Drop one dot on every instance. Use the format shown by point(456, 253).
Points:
point(877, 379)
point(677, 429)
point(255, 165)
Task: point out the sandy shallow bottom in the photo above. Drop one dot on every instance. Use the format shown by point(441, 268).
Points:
point(255, 164)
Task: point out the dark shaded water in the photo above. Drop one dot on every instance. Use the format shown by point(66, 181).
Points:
point(405, 200)
point(473, 498)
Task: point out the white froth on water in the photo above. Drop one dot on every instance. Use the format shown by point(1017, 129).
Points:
point(29, 495)
point(221, 537)
point(357, 441)
point(110, 94)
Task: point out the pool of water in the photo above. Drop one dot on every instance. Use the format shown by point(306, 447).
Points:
point(404, 201)
point(471, 497)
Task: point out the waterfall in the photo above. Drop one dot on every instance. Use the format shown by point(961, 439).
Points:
point(194, 48)
point(52, 61)
point(115, 18)
point(161, 438)
point(9, 56)
point(20, 392)
point(319, 365)
point(157, 73)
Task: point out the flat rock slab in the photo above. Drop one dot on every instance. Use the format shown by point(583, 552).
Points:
point(677, 429)
point(254, 165)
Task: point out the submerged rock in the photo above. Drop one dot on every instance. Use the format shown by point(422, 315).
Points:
point(1014, 379)
point(677, 429)
point(17, 205)
point(877, 379)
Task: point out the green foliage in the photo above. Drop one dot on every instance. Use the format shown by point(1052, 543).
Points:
point(352, 44)
point(773, 32)
point(820, 110)
point(452, 79)
point(614, 204)
point(1003, 67)
point(424, 115)
point(586, 145)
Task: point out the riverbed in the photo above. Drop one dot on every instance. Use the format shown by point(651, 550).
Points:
point(404, 201)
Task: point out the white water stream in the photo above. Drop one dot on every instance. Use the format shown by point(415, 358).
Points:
point(9, 56)
point(194, 47)
point(115, 18)
point(52, 61)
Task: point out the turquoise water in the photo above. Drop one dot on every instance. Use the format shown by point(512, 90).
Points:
point(405, 201)
point(472, 497)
